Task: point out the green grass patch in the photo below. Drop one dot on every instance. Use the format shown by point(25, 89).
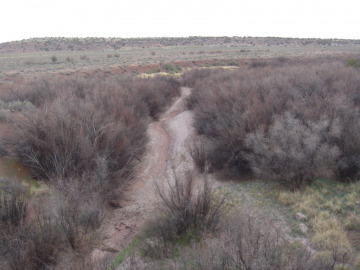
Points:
point(172, 69)
point(353, 63)
point(10, 168)
point(154, 70)
point(332, 210)
point(126, 252)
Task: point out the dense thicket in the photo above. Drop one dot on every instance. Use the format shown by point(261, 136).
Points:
point(85, 137)
point(287, 120)
point(87, 130)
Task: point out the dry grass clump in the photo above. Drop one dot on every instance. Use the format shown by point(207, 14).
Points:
point(352, 223)
point(292, 121)
point(331, 211)
point(330, 237)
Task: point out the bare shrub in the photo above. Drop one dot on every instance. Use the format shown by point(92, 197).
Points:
point(89, 129)
point(16, 254)
point(46, 241)
point(199, 152)
point(190, 208)
point(71, 224)
point(79, 214)
point(53, 59)
point(85, 137)
point(291, 151)
point(13, 205)
point(246, 242)
point(44, 90)
point(157, 92)
point(231, 104)
point(252, 244)
point(189, 78)
point(258, 64)
point(346, 137)
point(186, 213)
point(81, 262)
point(35, 246)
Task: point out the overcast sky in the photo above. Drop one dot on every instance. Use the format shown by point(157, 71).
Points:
point(21, 19)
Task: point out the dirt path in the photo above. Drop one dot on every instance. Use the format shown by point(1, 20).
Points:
point(169, 138)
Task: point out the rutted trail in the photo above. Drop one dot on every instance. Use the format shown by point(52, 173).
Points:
point(167, 147)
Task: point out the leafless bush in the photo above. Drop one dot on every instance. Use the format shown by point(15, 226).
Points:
point(258, 64)
point(156, 93)
point(53, 59)
point(346, 137)
point(231, 104)
point(190, 208)
point(46, 241)
point(79, 213)
point(199, 152)
point(16, 254)
point(89, 129)
point(71, 225)
point(185, 214)
point(13, 205)
point(291, 151)
point(245, 242)
point(22, 245)
point(81, 262)
point(45, 90)
point(190, 78)
point(85, 137)
point(34, 246)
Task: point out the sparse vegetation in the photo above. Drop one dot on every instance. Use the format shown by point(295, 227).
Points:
point(53, 59)
point(353, 63)
point(69, 59)
point(185, 215)
point(172, 69)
